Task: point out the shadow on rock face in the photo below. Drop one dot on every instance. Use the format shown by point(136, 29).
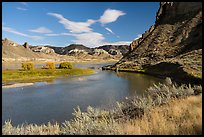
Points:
point(172, 70)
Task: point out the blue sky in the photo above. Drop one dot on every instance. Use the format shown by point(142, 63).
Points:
point(89, 23)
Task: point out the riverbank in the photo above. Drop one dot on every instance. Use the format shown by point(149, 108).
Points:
point(16, 85)
point(167, 109)
point(37, 75)
point(79, 61)
point(176, 74)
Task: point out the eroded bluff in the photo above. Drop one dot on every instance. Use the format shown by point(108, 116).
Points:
point(171, 47)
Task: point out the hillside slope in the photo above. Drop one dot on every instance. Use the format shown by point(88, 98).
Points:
point(12, 51)
point(172, 47)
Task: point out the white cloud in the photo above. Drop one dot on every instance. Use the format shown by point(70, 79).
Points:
point(74, 27)
point(19, 8)
point(24, 3)
point(138, 36)
point(110, 15)
point(8, 29)
point(83, 33)
point(94, 39)
point(11, 30)
point(91, 39)
point(41, 30)
point(108, 29)
point(53, 34)
point(118, 43)
point(60, 34)
point(35, 37)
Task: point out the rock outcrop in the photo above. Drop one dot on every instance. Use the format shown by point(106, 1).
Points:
point(99, 52)
point(25, 45)
point(77, 52)
point(42, 49)
point(171, 47)
point(76, 48)
point(119, 50)
point(7, 42)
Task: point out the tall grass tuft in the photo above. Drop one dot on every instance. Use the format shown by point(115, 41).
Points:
point(30, 129)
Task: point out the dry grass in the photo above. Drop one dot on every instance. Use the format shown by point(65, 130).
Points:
point(31, 129)
point(178, 117)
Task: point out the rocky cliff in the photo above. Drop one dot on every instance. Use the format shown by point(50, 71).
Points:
point(171, 47)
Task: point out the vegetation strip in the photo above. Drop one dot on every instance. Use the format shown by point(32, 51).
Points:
point(37, 74)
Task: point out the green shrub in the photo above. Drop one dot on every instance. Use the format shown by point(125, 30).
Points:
point(50, 65)
point(28, 66)
point(65, 65)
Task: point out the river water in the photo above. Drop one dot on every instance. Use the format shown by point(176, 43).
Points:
point(55, 100)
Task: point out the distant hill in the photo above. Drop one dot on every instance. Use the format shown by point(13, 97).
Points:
point(11, 51)
point(14, 51)
point(78, 49)
point(115, 49)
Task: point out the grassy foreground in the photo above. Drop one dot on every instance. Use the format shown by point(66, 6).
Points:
point(41, 74)
point(167, 109)
point(178, 117)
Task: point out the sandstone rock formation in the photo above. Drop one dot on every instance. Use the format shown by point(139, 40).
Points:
point(76, 52)
point(42, 49)
point(99, 52)
point(119, 50)
point(7, 42)
point(25, 45)
point(172, 46)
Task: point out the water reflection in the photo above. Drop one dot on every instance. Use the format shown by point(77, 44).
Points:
point(138, 83)
point(55, 99)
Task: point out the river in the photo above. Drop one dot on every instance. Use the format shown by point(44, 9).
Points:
point(55, 100)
